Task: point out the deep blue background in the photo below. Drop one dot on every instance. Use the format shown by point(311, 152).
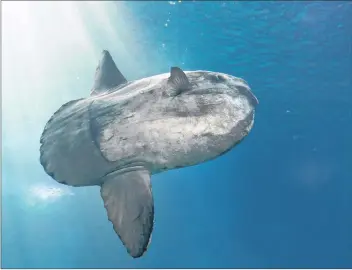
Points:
point(282, 198)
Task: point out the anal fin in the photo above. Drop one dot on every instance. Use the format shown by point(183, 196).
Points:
point(129, 203)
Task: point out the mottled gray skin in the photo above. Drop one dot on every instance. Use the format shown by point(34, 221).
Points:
point(142, 123)
point(126, 131)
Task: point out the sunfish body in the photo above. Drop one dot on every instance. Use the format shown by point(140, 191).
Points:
point(127, 131)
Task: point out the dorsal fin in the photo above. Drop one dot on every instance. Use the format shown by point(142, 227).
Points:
point(179, 79)
point(107, 75)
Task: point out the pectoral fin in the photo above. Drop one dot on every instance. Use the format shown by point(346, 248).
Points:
point(178, 80)
point(129, 203)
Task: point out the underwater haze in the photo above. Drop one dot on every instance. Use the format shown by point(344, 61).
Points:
point(280, 199)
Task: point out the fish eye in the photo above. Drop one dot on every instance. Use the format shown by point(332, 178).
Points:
point(216, 78)
point(221, 78)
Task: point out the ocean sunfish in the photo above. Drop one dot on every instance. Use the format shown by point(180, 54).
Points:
point(125, 131)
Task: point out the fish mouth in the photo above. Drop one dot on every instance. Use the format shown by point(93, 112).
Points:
point(253, 99)
point(256, 100)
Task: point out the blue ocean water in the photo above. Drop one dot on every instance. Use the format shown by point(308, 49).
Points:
point(282, 198)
